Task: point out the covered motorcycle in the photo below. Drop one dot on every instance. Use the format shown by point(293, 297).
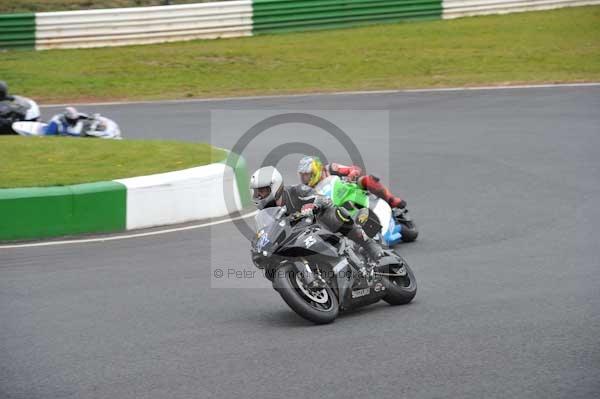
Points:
point(319, 273)
point(390, 226)
point(16, 109)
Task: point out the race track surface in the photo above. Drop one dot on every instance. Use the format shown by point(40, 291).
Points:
point(504, 186)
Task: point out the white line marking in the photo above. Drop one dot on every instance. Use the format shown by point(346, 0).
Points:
point(123, 237)
point(541, 86)
point(336, 93)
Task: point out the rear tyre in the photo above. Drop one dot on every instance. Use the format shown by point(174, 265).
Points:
point(401, 289)
point(320, 307)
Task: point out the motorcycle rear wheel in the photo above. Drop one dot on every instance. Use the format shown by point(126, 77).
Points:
point(320, 307)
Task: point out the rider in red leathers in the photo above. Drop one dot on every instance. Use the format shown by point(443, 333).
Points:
point(312, 171)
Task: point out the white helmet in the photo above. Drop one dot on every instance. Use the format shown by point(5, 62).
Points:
point(71, 115)
point(267, 186)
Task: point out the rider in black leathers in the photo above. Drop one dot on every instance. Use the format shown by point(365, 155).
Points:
point(268, 190)
point(6, 117)
point(14, 109)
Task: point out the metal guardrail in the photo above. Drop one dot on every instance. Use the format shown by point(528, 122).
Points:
point(17, 31)
point(297, 15)
point(465, 8)
point(117, 27)
point(141, 25)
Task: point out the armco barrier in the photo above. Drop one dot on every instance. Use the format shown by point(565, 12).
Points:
point(296, 15)
point(465, 8)
point(139, 202)
point(117, 27)
point(17, 31)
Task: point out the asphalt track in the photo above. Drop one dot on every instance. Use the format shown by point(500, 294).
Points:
point(505, 187)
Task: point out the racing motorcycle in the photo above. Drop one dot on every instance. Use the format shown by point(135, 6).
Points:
point(395, 224)
point(97, 126)
point(319, 273)
point(18, 109)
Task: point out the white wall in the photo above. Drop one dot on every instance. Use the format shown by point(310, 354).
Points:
point(181, 196)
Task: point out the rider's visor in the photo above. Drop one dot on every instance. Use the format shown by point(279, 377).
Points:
point(261, 193)
point(305, 177)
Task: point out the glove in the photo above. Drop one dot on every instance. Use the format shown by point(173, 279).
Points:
point(308, 210)
point(321, 202)
point(297, 216)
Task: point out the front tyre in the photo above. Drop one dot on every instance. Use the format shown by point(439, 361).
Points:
point(401, 288)
point(319, 306)
point(409, 231)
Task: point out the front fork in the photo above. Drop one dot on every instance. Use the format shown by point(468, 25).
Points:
point(313, 281)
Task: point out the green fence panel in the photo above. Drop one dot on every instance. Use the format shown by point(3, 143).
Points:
point(271, 16)
point(31, 213)
point(17, 31)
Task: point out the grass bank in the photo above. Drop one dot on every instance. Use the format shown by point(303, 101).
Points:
point(536, 47)
point(56, 161)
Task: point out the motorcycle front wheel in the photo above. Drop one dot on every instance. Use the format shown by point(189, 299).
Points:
point(319, 306)
point(401, 284)
point(409, 231)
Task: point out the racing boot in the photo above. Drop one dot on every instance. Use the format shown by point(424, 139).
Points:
point(374, 186)
point(374, 254)
point(373, 250)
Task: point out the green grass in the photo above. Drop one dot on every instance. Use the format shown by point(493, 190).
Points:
point(536, 47)
point(55, 161)
point(11, 6)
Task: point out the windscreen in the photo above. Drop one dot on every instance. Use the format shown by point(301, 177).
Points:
point(266, 217)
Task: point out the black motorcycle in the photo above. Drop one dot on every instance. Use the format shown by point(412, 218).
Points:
point(17, 109)
point(319, 273)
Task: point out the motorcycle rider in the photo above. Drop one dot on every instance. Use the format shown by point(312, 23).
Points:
point(15, 109)
point(312, 171)
point(4, 96)
point(7, 116)
point(268, 190)
point(70, 122)
point(74, 123)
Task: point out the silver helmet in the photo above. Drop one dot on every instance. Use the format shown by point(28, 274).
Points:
point(267, 186)
point(71, 115)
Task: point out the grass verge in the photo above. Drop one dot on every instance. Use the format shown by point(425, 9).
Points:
point(56, 161)
point(535, 47)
